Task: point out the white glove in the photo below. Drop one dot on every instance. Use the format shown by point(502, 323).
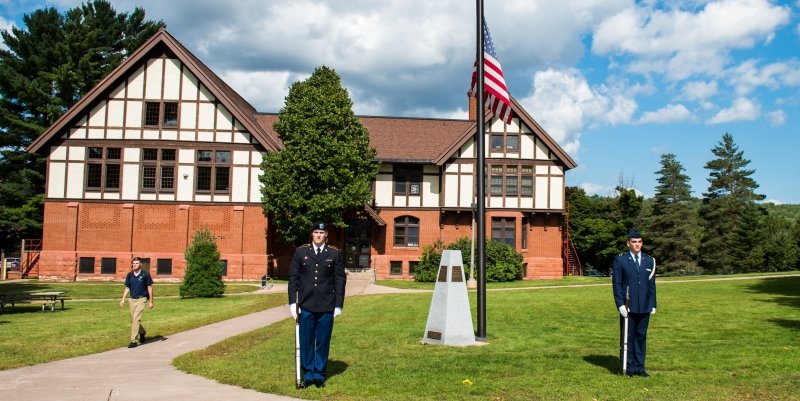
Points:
point(337, 311)
point(653, 312)
point(293, 310)
point(623, 311)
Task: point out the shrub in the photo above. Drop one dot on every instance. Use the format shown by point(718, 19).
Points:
point(428, 265)
point(503, 263)
point(203, 276)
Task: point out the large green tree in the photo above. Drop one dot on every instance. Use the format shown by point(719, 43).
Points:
point(727, 209)
point(326, 166)
point(48, 64)
point(672, 225)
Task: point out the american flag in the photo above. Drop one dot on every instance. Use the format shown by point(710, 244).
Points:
point(494, 85)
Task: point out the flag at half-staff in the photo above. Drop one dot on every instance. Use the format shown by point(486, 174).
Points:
point(495, 92)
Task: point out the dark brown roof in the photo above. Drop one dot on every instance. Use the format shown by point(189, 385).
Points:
point(239, 107)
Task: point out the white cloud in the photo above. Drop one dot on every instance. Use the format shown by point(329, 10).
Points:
point(681, 43)
point(777, 118)
point(743, 109)
point(596, 189)
point(265, 90)
point(748, 76)
point(564, 103)
point(700, 90)
point(671, 113)
point(5, 25)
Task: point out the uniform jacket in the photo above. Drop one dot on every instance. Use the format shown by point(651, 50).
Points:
point(316, 282)
point(626, 274)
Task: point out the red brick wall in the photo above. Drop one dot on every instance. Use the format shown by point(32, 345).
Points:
point(155, 231)
point(163, 231)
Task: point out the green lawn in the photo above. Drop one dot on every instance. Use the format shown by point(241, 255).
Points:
point(715, 340)
point(29, 336)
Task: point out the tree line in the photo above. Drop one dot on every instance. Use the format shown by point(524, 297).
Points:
point(727, 230)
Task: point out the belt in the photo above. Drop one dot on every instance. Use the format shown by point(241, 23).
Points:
point(139, 297)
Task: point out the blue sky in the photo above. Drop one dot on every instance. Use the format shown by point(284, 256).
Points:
point(617, 83)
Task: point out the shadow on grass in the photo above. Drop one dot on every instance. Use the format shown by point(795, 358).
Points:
point(610, 362)
point(789, 324)
point(785, 290)
point(336, 367)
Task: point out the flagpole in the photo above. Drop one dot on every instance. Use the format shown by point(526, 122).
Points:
point(480, 139)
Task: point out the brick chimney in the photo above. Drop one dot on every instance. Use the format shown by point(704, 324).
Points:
point(473, 106)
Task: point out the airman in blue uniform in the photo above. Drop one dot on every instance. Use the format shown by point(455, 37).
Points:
point(633, 276)
point(316, 285)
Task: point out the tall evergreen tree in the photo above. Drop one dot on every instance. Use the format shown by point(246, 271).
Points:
point(326, 166)
point(782, 243)
point(730, 192)
point(673, 240)
point(48, 65)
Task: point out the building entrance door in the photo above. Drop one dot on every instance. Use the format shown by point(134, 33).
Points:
point(357, 243)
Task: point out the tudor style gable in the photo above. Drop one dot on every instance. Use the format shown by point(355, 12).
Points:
point(160, 127)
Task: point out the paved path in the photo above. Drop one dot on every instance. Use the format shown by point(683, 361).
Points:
point(145, 372)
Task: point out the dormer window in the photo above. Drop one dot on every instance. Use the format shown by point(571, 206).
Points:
point(161, 114)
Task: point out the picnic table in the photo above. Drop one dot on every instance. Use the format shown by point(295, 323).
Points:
point(44, 298)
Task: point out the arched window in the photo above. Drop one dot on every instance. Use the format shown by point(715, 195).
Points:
point(406, 231)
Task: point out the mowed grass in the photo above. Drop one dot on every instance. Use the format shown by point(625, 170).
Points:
point(715, 340)
point(29, 336)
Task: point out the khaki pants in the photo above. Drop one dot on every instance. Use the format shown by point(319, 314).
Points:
point(137, 309)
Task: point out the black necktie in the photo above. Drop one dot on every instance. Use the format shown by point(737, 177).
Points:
point(636, 259)
point(319, 250)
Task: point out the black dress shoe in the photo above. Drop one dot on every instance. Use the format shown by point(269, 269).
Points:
point(132, 344)
point(306, 384)
point(319, 383)
point(644, 373)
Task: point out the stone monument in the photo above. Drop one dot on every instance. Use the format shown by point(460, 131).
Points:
point(449, 318)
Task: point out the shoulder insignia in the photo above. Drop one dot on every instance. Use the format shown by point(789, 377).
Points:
point(304, 246)
point(333, 247)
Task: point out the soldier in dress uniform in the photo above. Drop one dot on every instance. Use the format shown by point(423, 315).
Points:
point(634, 276)
point(316, 285)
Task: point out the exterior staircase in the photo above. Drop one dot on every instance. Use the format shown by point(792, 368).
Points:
point(569, 256)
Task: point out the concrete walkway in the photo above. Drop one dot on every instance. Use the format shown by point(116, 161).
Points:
point(145, 372)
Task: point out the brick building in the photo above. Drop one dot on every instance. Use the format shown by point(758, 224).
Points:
point(162, 147)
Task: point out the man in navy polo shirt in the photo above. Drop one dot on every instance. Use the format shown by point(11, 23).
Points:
point(140, 285)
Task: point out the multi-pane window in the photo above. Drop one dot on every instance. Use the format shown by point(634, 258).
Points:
point(223, 267)
point(408, 180)
point(510, 180)
point(86, 265)
point(406, 231)
point(526, 181)
point(496, 181)
point(108, 265)
point(103, 169)
point(145, 263)
point(503, 230)
point(508, 142)
point(158, 170)
point(164, 114)
point(164, 266)
point(213, 171)
point(396, 268)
